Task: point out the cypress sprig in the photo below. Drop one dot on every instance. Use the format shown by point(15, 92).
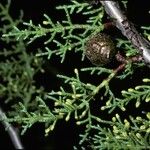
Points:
point(92, 105)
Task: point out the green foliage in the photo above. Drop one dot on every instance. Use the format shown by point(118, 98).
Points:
point(17, 66)
point(65, 29)
point(126, 134)
point(32, 104)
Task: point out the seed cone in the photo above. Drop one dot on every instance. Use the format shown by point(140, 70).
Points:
point(100, 49)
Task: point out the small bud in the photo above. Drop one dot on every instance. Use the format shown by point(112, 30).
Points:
point(56, 110)
point(107, 138)
point(107, 103)
point(130, 90)
point(137, 87)
point(142, 127)
point(61, 114)
point(137, 104)
point(113, 119)
point(52, 127)
point(83, 114)
point(57, 103)
point(148, 115)
point(118, 137)
point(67, 117)
point(76, 95)
point(101, 97)
point(98, 119)
point(68, 102)
point(138, 135)
point(146, 80)
point(128, 54)
point(148, 130)
point(127, 123)
point(115, 129)
point(117, 116)
point(148, 35)
point(103, 108)
point(73, 87)
point(139, 118)
point(88, 84)
point(124, 92)
point(76, 115)
point(124, 134)
point(47, 131)
point(123, 108)
point(76, 71)
point(147, 99)
point(69, 48)
point(78, 122)
point(59, 93)
point(45, 22)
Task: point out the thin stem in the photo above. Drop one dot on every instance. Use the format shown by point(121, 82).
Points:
point(127, 28)
point(11, 131)
point(124, 60)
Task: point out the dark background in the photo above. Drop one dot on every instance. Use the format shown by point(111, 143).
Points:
point(65, 134)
